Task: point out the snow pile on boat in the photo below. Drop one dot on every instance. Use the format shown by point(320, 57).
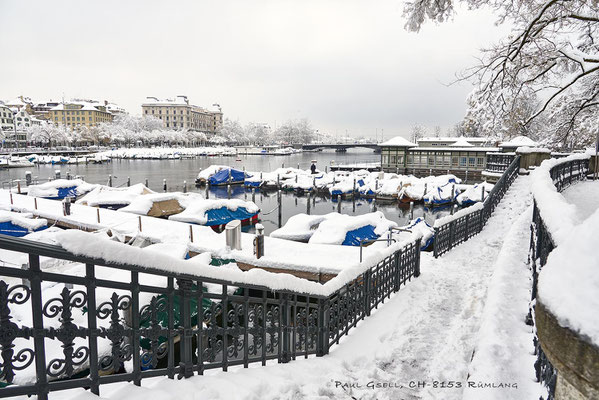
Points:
point(351, 230)
point(109, 196)
point(419, 226)
point(156, 204)
point(17, 224)
point(216, 212)
point(474, 194)
point(61, 188)
point(300, 227)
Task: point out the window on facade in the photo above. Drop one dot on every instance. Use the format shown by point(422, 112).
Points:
point(462, 161)
point(159, 111)
point(68, 118)
point(167, 124)
point(146, 111)
point(480, 161)
point(400, 160)
point(431, 160)
point(471, 161)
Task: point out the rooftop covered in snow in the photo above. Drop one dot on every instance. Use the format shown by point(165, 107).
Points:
point(398, 141)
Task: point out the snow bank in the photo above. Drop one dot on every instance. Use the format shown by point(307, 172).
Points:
point(50, 189)
point(569, 281)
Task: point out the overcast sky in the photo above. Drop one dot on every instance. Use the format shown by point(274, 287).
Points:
point(344, 65)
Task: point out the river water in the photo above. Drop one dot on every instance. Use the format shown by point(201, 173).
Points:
point(177, 171)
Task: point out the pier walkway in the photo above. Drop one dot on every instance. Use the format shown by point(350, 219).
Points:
point(461, 321)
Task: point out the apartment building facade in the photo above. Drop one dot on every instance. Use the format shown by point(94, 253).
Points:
point(75, 115)
point(178, 114)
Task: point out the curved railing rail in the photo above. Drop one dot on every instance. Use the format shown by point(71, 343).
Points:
point(562, 174)
point(100, 322)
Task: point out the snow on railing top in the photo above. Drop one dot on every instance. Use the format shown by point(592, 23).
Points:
point(461, 213)
point(573, 265)
point(558, 215)
point(89, 245)
point(528, 150)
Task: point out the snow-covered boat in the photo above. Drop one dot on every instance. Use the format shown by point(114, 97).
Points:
point(474, 194)
point(217, 213)
point(113, 198)
point(19, 225)
point(441, 195)
point(61, 188)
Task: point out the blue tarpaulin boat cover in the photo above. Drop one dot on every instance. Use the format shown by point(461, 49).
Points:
point(65, 192)
point(10, 229)
point(220, 216)
point(222, 176)
point(353, 238)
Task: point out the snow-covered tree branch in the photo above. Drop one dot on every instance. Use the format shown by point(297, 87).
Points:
point(546, 70)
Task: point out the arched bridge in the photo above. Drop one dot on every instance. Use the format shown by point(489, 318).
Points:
point(341, 147)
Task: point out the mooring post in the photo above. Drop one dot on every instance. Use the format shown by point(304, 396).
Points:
point(278, 181)
point(308, 204)
point(280, 211)
point(35, 202)
point(139, 221)
point(110, 180)
point(184, 186)
point(283, 165)
point(28, 178)
point(57, 174)
point(191, 233)
point(128, 181)
point(253, 194)
point(147, 183)
point(482, 193)
point(66, 206)
point(298, 167)
point(164, 184)
point(453, 193)
point(339, 204)
point(425, 189)
point(259, 241)
point(411, 210)
point(98, 214)
point(18, 187)
point(11, 202)
point(68, 175)
point(229, 192)
point(354, 191)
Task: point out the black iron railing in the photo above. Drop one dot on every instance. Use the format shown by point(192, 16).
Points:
point(462, 228)
point(99, 323)
point(499, 162)
point(541, 244)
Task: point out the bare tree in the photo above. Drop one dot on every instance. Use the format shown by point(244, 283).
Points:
point(552, 54)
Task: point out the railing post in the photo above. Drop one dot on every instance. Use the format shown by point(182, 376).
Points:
point(397, 270)
point(367, 278)
point(186, 364)
point(38, 327)
point(135, 327)
point(436, 243)
point(322, 344)
point(90, 284)
point(417, 259)
point(285, 328)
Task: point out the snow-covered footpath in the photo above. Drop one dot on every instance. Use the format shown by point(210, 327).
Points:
point(440, 334)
